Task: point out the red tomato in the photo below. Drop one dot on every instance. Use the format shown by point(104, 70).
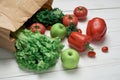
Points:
point(70, 18)
point(104, 49)
point(81, 12)
point(79, 30)
point(37, 26)
point(96, 28)
point(49, 27)
point(91, 54)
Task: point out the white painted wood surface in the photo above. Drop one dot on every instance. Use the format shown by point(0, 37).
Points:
point(105, 66)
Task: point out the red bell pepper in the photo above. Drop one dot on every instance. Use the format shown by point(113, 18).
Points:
point(96, 28)
point(79, 41)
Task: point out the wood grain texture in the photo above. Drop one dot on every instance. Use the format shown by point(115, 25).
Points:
point(105, 66)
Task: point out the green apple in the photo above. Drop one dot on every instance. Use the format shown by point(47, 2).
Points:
point(58, 30)
point(70, 58)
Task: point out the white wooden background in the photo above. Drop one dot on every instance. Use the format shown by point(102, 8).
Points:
point(106, 66)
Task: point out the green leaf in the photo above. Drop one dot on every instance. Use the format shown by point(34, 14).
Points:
point(70, 29)
point(37, 52)
point(49, 17)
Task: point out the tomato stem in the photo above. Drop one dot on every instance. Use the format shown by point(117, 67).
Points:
point(80, 8)
point(70, 17)
point(36, 27)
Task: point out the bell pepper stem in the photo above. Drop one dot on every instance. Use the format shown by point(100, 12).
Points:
point(89, 47)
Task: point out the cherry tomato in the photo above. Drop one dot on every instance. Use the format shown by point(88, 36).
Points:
point(91, 54)
point(49, 27)
point(70, 18)
point(104, 49)
point(81, 12)
point(79, 30)
point(38, 26)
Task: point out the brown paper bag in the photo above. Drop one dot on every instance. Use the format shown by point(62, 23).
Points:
point(13, 14)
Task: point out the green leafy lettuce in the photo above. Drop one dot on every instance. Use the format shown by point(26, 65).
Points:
point(49, 17)
point(46, 17)
point(71, 28)
point(36, 52)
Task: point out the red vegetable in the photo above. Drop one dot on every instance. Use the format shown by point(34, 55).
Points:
point(79, 30)
point(81, 12)
point(70, 18)
point(91, 54)
point(96, 28)
point(49, 27)
point(104, 49)
point(37, 26)
point(79, 41)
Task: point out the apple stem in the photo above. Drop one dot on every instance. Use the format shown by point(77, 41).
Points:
point(69, 53)
point(61, 27)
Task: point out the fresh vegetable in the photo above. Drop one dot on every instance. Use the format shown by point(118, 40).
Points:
point(49, 27)
point(36, 52)
point(48, 17)
point(58, 30)
point(79, 41)
point(96, 28)
point(79, 30)
point(91, 54)
point(37, 27)
point(70, 28)
point(81, 12)
point(104, 49)
point(70, 58)
point(70, 18)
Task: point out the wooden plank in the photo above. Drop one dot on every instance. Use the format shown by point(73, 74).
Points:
point(95, 72)
point(105, 66)
point(108, 41)
point(97, 4)
point(104, 13)
point(108, 71)
point(9, 68)
point(112, 20)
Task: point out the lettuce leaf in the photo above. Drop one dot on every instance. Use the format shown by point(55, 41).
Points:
point(37, 52)
point(46, 17)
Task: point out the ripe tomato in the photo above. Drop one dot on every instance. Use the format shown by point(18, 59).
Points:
point(49, 27)
point(70, 18)
point(96, 28)
point(37, 26)
point(79, 30)
point(104, 49)
point(91, 54)
point(81, 12)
